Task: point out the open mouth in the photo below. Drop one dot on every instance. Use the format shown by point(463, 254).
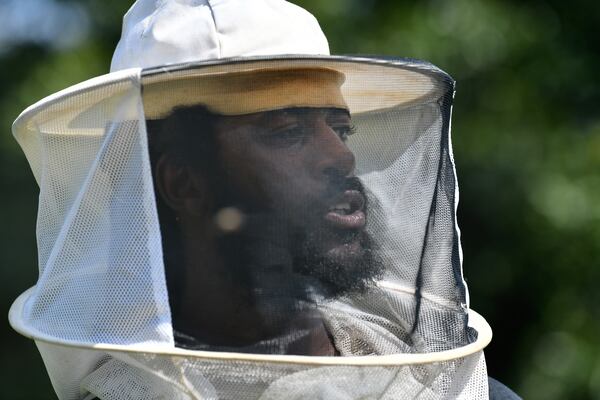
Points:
point(348, 211)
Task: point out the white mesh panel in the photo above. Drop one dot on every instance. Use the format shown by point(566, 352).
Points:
point(101, 273)
point(102, 277)
point(147, 377)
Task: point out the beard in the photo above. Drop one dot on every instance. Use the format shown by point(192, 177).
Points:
point(351, 267)
point(285, 268)
point(332, 277)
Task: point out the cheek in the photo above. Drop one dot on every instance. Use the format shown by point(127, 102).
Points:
point(275, 179)
point(283, 179)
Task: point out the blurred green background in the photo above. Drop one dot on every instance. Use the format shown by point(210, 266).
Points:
point(526, 128)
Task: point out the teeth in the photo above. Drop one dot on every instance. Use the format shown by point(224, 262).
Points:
point(341, 208)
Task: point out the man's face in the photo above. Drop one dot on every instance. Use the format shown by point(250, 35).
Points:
point(290, 173)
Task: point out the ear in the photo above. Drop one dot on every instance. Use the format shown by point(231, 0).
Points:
point(181, 187)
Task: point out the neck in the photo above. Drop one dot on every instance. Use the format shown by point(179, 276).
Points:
point(220, 306)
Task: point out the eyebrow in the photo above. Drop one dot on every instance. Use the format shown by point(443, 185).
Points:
point(339, 112)
point(302, 111)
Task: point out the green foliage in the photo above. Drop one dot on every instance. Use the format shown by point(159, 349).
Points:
point(527, 143)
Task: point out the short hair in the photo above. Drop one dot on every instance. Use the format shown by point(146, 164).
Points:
point(188, 137)
point(187, 134)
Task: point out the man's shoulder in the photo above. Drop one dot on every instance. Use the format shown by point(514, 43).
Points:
point(499, 391)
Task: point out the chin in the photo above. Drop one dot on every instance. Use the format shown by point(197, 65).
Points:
point(341, 268)
point(346, 253)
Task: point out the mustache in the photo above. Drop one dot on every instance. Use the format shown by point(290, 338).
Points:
point(354, 183)
point(338, 186)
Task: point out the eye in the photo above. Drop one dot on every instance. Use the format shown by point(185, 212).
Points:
point(344, 131)
point(287, 136)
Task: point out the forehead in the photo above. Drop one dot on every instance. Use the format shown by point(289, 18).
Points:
point(296, 114)
point(305, 112)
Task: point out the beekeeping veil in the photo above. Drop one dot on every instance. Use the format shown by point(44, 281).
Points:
point(233, 213)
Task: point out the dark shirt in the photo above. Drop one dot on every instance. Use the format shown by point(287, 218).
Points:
point(500, 392)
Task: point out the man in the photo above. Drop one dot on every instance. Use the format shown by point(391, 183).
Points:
point(205, 200)
point(270, 218)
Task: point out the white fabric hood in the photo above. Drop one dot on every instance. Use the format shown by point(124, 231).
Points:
point(160, 32)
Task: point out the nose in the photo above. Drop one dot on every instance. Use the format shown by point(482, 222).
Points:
point(334, 158)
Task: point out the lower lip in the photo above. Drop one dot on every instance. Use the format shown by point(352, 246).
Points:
point(356, 220)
